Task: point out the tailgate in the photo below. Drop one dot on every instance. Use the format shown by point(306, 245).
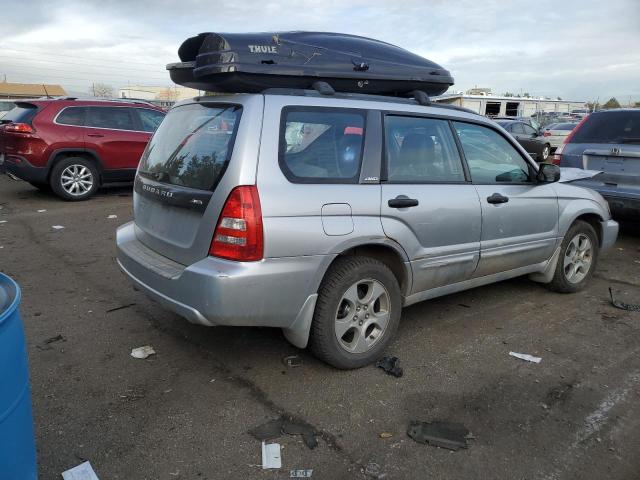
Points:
point(620, 164)
point(200, 152)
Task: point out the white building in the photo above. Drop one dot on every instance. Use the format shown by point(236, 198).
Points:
point(493, 106)
point(161, 96)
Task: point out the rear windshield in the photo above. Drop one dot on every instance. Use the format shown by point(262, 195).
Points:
point(610, 127)
point(22, 113)
point(192, 146)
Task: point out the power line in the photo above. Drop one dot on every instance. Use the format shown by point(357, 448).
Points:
point(11, 59)
point(47, 54)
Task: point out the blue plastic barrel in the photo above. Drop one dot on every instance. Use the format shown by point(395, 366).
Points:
point(17, 442)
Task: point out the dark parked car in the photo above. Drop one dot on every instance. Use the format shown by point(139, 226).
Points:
point(528, 137)
point(608, 141)
point(75, 146)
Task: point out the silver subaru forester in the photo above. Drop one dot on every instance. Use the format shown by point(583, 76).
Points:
point(324, 215)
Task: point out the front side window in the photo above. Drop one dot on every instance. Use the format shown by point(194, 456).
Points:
point(72, 116)
point(420, 150)
point(192, 146)
point(528, 130)
point(490, 157)
point(321, 145)
point(150, 119)
point(517, 128)
point(115, 118)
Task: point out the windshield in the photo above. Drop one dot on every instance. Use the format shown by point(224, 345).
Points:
point(192, 146)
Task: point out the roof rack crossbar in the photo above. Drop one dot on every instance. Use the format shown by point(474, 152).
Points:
point(421, 97)
point(323, 88)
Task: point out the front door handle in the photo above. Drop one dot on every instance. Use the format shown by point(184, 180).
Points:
point(402, 201)
point(95, 135)
point(497, 198)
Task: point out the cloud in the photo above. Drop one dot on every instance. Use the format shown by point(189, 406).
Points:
point(575, 49)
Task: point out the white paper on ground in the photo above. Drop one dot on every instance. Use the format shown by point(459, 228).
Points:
point(526, 356)
point(84, 471)
point(57, 227)
point(112, 216)
point(143, 352)
point(42, 210)
point(271, 455)
point(569, 174)
point(3, 221)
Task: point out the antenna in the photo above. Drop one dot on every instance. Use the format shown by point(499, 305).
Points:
point(45, 91)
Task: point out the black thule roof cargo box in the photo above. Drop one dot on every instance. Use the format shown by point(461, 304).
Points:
point(253, 62)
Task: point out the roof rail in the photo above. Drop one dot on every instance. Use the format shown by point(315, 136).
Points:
point(320, 89)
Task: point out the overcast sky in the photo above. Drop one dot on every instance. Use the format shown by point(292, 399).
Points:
point(578, 50)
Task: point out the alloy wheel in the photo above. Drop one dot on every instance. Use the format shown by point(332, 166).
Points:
point(76, 180)
point(362, 315)
point(578, 258)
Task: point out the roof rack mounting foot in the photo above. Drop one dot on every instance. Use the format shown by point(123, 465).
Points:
point(323, 88)
point(421, 97)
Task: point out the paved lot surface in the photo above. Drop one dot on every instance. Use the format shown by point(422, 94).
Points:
point(184, 413)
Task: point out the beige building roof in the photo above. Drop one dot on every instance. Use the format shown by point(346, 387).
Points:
point(28, 90)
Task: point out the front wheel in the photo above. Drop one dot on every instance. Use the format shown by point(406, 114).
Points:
point(577, 260)
point(357, 312)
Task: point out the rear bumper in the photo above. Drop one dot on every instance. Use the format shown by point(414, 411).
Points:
point(213, 291)
point(21, 168)
point(609, 233)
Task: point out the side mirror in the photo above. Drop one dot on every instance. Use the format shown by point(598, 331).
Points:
point(548, 173)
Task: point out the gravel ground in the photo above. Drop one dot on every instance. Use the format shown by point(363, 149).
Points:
point(184, 412)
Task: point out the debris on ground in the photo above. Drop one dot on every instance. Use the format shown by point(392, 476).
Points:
point(285, 425)
point(372, 469)
point(121, 307)
point(301, 473)
point(3, 221)
point(292, 361)
point(42, 210)
point(391, 365)
point(46, 344)
point(631, 307)
point(57, 227)
point(449, 435)
point(84, 471)
point(271, 455)
point(385, 434)
point(112, 216)
point(526, 357)
point(143, 352)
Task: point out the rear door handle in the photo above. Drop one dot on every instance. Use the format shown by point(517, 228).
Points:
point(95, 135)
point(497, 198)
point(402, 201)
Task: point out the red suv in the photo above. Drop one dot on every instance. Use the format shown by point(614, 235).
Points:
point(75, 146)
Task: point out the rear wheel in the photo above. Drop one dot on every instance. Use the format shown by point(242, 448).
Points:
point(74, 178)
point(578, 258)
point(357, 312)
point(546, 151)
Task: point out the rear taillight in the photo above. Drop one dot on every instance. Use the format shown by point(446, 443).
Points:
point(238, 235)
point(557, 156)
point(546, 134)
point(19, 128)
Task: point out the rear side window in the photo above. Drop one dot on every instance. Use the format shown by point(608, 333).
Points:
point(114, 118)
point(72, 116)
point(610, 127)
point(321, 145)
point(150, 119)
point(420, 150)
point(22, 113)
point(193, 146)
point(564, 126)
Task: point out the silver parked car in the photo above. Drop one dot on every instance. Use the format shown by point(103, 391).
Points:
point(555, 134)
point(324, 215)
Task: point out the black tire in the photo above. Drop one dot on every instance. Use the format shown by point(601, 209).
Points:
point(545, 153)
point(560, 282)
point(56, 178)
point(346, 272)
